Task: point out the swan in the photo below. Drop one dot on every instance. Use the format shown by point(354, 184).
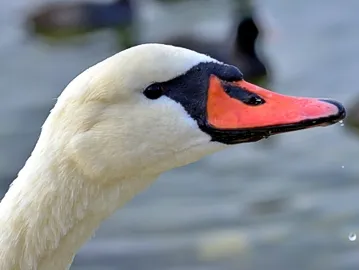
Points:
point(241, 52)
point(116, 127)
point(239, 47)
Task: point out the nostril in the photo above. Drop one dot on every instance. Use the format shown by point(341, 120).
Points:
point(254, 100)
point(243, 95)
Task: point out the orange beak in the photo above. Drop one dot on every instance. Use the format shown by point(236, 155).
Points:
point(252, 112)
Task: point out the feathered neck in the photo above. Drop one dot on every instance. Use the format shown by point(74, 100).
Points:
point(51, 210)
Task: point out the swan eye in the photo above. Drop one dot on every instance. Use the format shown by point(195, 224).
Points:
point(153, 91)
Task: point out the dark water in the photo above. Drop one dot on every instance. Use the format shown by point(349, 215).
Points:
point(289, 206)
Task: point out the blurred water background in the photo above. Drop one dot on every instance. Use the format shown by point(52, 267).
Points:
point(288, 206)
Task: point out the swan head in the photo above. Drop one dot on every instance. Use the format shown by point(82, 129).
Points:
point(155, 107)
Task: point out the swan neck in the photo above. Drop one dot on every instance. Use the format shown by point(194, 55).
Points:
point(51, 210)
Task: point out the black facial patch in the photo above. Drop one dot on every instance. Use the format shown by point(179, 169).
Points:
point(191, 91)
point(191, 88)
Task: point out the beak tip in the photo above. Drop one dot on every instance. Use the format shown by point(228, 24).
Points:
point(341, 112)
